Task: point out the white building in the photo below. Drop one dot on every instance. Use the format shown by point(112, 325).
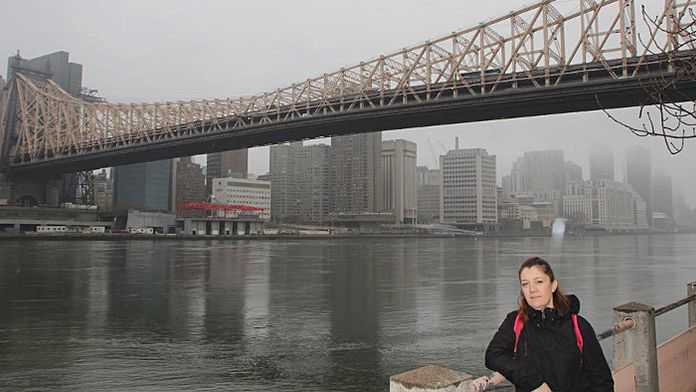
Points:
point(577, 202)
point(468, 187)
point(254, 193)
point(606, 203)
point(399, 179)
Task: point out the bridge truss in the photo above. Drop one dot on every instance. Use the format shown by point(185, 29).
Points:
point(535, 47)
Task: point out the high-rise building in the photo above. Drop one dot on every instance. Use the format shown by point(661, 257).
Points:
point(357, 161)
point(601, 164)
point(234, 163)
point(103, 190)
point(506, 182)
point(539, 173)
point(662, 194)
point(189, 185)
point(427, 176)
point(56, 66)
point(573, 172)
point(468, 188)
point(301, 183)
point(428, 194)
point(639, 176)
point(144, 186)
point(399, 179)
point(254, 193)
point(428, 203)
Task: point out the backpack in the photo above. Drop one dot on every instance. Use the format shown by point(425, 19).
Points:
point(519, 324)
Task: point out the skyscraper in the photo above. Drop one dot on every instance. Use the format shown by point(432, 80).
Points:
point(189, 185)
point(301, 183)
point(234, 163)
point(399, 179)
point(540, 173)
point(468, 188)
point(573, 172)
point(428, 194)
point(427, 176)
point(103, 190)
point(357, 161)
point(662, 194)
point(639, 176)
point(144, 186)
point(601, 164)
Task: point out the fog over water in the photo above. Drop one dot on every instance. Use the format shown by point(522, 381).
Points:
point(134, 51)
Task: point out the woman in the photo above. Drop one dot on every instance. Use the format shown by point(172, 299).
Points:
point(545, 345)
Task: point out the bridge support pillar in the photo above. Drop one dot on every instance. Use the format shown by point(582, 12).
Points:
point(691, 290)
point(30, 191)
point(638, 345)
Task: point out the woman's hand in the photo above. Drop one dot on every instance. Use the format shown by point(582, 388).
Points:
point(481, 383)
point(497, 378)
point(543, 388)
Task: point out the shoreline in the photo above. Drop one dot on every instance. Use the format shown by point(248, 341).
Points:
point(274, 237)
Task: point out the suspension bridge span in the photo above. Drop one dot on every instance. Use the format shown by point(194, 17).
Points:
point(532, 61)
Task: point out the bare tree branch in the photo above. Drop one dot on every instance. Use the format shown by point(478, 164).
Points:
point(668, 112)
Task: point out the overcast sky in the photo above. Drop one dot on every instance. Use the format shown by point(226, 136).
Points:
point(145, 51)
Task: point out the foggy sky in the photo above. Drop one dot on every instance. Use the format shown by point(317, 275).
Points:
point(146, 51)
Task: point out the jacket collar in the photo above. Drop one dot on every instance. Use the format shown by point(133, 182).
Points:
point(551, 314)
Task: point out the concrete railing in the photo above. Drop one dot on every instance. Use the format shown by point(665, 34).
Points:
point(640, 365)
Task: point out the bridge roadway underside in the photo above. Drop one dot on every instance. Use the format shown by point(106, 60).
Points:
point(567, 98)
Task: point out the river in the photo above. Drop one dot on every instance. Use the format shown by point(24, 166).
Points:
point(296, 315)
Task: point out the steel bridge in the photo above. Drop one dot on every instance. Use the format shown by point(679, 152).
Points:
point(533, 61)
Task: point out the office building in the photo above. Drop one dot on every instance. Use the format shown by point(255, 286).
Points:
point(639, 176)
point(143, 186)
point(601, 164)
point(539, 173)
point(245, 192)
point(399, 180)
point(56, 66)
point(468, 188)
point(428, 194)
point(301, 183)
point(573, 172)
point(427, 176)
point(103, 190)
point(189, 185)
point(234, 163)
point(662, 194)
point(609, 204)
point(357, 161)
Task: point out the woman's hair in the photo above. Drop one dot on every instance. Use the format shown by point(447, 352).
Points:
point(560, 300)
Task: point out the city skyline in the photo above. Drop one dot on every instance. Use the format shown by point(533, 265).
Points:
point(122, 61)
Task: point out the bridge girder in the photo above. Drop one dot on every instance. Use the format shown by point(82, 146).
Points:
point(481, 73)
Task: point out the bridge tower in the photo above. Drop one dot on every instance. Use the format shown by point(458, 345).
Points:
point(36, 190)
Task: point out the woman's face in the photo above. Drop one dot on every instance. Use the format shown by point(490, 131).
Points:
point(537, 287)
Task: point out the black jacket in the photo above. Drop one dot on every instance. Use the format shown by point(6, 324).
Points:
point(547, 352)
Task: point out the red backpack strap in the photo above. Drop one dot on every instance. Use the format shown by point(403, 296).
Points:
point(576, 329)
point(517, 328)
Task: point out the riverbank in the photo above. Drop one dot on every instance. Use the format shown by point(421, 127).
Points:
point(271, 237)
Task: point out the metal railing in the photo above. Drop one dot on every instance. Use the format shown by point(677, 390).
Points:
point(634, 341)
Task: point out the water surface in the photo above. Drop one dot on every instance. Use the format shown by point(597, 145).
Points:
point(295, 315)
